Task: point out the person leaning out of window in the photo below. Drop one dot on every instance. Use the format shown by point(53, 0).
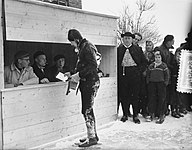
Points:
point(19, 72)
point(59, 66)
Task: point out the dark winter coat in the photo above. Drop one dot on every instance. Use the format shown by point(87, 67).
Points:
point(137, 55)
point(87, 62)
point(39, 73)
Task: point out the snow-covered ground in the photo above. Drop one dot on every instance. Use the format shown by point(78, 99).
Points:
point(173, 134)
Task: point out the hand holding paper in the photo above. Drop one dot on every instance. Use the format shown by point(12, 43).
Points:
point(62, 77)
point(75, 77)
point(68, 74)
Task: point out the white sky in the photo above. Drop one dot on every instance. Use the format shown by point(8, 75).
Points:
point(173, 16)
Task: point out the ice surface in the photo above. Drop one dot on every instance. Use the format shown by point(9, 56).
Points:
point(173, 134)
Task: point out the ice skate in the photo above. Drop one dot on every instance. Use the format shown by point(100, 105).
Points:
point(88, 142)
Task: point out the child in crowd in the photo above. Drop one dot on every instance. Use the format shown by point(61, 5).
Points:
point(157, 80)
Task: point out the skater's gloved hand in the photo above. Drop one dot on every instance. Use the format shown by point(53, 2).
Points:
point(75, 77)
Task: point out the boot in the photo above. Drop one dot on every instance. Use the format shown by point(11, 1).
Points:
point(167, 112)
point(150, 118)
point(124, 118)
point(144, 115)
point(174, 114)
point(177, 111)
point(136, 120)
point(129, 114)
point(183, 111)
point(160, 120)
point(91, 129)
point(88, 142)
point(85, 138)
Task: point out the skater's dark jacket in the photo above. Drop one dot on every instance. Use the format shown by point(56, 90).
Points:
point(87, 63)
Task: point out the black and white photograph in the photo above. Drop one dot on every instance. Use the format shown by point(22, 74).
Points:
point(96, 75)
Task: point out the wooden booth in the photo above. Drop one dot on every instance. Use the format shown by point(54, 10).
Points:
point(37, 114)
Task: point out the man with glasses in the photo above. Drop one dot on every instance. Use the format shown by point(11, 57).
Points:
point(19, 72)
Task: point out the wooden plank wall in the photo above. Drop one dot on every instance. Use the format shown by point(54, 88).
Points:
point(108, 63)
point(29, 20)
point(1, 49)
point(36, 115)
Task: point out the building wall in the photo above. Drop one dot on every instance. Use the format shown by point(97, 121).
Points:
point(40, 114)
point(38, 24)
point(1, 72)
point(34, 115)
point(70, 3)
point(75, 3)
point(43, 22)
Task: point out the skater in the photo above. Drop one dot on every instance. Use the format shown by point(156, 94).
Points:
point(86, 75)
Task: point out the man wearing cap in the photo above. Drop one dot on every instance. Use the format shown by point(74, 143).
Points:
point(164, 49)
point(168, 58)
point(138, 37)
point(131, 64)
point(19, 72)
point(59, 66)
point(40, 67)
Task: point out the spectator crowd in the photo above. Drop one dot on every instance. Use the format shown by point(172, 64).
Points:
point(147, 79)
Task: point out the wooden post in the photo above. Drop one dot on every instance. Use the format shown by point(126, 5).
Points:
point(1, 71)
point(1, 47)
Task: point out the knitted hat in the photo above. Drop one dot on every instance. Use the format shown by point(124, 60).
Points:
point(21, 54)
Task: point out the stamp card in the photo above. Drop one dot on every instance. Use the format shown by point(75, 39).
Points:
point(184, 83)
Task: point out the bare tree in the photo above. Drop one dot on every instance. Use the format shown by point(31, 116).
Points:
point(138, 22)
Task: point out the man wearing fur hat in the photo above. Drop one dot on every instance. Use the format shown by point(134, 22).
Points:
point(131, 64)
point(19, 72)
